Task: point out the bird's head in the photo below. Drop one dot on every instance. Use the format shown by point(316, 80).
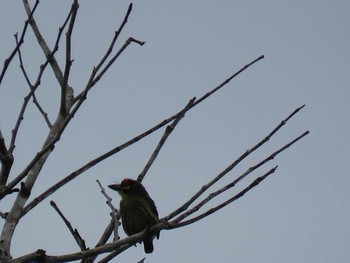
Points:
point(129, 187)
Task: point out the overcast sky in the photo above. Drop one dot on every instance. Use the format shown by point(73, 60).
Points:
point(299, 214)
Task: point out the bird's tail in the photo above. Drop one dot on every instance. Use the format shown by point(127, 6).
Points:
point(148, 245)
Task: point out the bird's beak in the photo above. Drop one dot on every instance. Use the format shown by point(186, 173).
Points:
point(116, 187)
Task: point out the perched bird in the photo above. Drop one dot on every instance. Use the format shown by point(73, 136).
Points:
point(137, 210)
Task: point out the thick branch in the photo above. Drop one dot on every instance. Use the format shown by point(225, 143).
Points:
point(6, 160)
point(31, 172)
point(42, 43)
point(118, 246)
point(127, 242)
point(64, 86)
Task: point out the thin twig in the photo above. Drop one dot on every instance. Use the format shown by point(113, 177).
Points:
point(74, 232)
point(20, 42)
point(114, 214)
point(94, 79)
point(238, 179)
point(165, 136)
point(222, 205)
point(117, 149)
point(113, 59)
point(31, 87)
point(109, 50)
point(230, 167)
point(20, 118)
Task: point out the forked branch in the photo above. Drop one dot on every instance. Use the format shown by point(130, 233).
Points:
point(230, 167)
point(20, 42)
point(118, 148)
point(169, 129)
point(74, 232)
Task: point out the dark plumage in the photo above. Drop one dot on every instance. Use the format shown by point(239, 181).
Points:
point(137, 210)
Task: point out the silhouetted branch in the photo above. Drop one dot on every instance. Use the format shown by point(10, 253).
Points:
point(222, 205)
point(165, 136)
point(114, 58)
point(20, 42)
point(74, 232)
point(119, 246)
point(107, 54)
point(118, 148)
point(18, 178)
point(230, 167)
point(67, 119)
point(49, 59)
point(31, 87)
point(241, 177)
point(42, 43)
point(114, 214)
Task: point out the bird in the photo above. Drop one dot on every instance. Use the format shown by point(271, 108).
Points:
point(137, 210)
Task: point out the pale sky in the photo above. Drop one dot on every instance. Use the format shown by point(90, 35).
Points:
point(299, 214)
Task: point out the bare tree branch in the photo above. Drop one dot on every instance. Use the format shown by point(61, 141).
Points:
point(108, 52)
point(69, 106)
point(241, 177)
point(116, 247)
point(222, 205)
point(165, 136)
point(230, 167)
point(115, 215)
point(31, 87)
point(118, 148)
point(63, 106)
point(56, 137)
point(20, 42)
point(49, 59)
point(41, 41)
point(31, 172)
point(121, 245)
point(113, 59)
point(74, 232)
